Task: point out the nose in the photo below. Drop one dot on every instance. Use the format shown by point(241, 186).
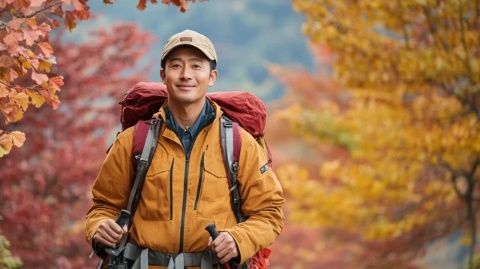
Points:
point(186, 73)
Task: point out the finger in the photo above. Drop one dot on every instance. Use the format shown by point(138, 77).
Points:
point(111, 228)
point(104, 240)
point(226, 258)
point(111, 240)
point(114, 226)
point(222, 254)
point(112, 234)
point(219, 240)
point(227, 249)
point(221, 244)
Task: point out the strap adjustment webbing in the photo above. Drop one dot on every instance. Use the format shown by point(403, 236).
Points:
point(144, 257)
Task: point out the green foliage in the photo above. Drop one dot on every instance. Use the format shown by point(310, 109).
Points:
point(7, 261)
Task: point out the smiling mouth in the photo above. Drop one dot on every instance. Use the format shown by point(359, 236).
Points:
point(185, 86)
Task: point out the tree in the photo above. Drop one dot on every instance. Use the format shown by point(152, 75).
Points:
point(27, 57)
point(409, 123)
point(301, 244)
point(142, 4)
point(44, 191)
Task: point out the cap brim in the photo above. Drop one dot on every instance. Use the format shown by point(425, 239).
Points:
point(203, 50)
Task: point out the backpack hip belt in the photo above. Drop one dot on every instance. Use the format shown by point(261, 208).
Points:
point(144, 257)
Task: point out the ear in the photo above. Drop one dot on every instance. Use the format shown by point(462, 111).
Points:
point(213, 77)
point(162, 74)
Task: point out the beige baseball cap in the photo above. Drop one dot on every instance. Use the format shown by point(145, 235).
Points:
point(190, 38)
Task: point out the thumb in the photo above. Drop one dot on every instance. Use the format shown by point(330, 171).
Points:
point(125, 228)
point(210, 241)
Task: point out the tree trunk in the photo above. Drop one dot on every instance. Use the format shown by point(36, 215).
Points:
point(473, 229)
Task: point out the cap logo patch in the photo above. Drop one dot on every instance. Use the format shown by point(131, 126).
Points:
point(189, 39)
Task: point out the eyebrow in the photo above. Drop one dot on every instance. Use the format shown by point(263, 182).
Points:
point(198, 59)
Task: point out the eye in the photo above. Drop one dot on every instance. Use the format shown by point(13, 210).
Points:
point(175, 65)
point(196, 66)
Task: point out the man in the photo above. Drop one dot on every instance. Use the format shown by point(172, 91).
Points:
point(186, 186)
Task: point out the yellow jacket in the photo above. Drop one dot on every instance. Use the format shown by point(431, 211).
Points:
point(180, 197)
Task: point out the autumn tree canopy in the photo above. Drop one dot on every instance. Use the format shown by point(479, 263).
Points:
point(27, 59)
point(409, 123)
point(45, 188)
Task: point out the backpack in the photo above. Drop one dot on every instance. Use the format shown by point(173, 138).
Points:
point(240, 109)
point(145, 98)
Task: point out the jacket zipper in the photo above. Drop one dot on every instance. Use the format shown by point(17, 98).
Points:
point(185, 188)
point(184, 205)
point(200, 180)
point(171, 189)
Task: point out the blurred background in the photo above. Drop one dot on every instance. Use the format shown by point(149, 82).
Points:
point(373, 121)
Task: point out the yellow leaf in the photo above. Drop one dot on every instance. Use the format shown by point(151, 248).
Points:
point(30, 54)
point(44, 66)
point(36, 99)
point(6, 144)
point(26, 64)
point(18, 138)
point(22, 99)
point(15, 115)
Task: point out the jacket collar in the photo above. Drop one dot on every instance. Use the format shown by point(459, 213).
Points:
point(211, 111)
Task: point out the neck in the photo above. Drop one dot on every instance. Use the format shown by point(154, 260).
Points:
point(186, 115)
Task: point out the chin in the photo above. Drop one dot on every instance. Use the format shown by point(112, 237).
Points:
point(188, 99)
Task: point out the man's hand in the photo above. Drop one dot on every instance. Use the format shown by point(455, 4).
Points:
point(109, 233)
point(225, 247)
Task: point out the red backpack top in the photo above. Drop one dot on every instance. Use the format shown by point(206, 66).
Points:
point(145, 98)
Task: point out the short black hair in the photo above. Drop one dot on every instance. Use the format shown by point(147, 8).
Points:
point(213, 64)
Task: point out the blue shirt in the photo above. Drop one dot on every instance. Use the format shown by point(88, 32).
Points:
point(187, 136)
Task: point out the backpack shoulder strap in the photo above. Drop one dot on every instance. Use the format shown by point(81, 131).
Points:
point(148, 132)
point(231, 144)
point(144, 144)
point(139, 137)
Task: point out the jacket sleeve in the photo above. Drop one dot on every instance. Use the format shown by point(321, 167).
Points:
point(262, 198)
point(111, 188)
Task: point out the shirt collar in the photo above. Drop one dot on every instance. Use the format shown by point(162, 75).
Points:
point(195, 126)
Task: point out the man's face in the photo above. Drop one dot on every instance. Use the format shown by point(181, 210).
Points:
point(187, 76)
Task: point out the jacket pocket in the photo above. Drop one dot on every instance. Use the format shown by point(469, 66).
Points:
point(201, 176)
point(156, 200)
point(213, 197)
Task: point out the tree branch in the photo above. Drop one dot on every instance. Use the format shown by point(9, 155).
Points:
point(46, 7)
point(8, 85)
point(477, 13)
point(464, 40)
point(433, 30)
point(31, 87)
point(406, 37)
point(453, 179)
